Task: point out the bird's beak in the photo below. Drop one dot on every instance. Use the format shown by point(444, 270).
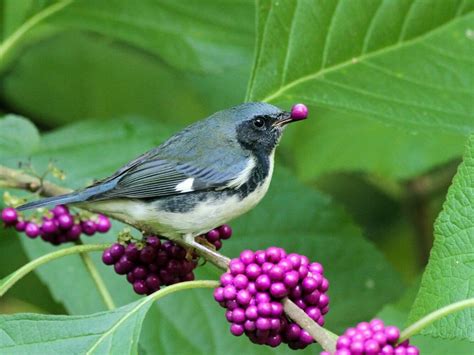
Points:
point(283, 119)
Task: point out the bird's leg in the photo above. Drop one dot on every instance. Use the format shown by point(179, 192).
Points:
point(207, 253)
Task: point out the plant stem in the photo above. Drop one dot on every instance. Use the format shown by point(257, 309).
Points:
point(187, 285)
point(104, 292)
point(16, 36)
point(7, 282)
point(434, 316)
point(323, 336)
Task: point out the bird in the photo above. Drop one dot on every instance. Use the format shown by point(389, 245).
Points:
point(206, 175)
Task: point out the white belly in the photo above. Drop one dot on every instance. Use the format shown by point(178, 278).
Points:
point(205, 216)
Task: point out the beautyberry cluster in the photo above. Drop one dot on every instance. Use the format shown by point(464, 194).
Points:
point(372, 338)
point(256, 283)
point(57, 226)
point(150, 264)
point(217, 235)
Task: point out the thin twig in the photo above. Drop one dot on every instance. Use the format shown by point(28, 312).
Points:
point(99, 282)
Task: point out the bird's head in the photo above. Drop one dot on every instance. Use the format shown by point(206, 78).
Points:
point(259, 126)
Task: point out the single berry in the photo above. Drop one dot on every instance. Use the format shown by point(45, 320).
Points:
point(32, 230)
point(88, 227)
point(299, 112)
point(213, 235)
point(107, 257)
point(21, 225)
point(225, 231)
point(74, 232)
point(49, 226)
point(102, 224)
point(9, 216)
point(65, 221)
point(59, 210)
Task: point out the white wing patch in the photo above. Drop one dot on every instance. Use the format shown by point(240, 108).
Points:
point(243, 177)
point(185, 186)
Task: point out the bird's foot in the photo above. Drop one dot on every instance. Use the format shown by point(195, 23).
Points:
point(207, 252)
point(203, 241)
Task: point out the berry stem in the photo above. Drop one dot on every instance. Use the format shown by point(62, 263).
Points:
point(432, 317)
point(323, 336)
point(7, 282)
point(99, 282)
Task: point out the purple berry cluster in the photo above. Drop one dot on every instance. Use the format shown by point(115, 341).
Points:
point(255, 284)
point(58, 226)
point(150, 264)
point(217, 235)
point(372, 338)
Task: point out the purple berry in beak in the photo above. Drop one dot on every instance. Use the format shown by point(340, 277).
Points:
point(299, 112)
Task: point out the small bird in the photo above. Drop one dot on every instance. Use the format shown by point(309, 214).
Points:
point(202, 177)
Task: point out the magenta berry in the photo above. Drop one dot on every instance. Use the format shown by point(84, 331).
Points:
point(9, 216)
point(372, 338)
point(20, 226)
point(32, 230)
point(258, 281)
point(217, 235)
point(49, 226)
point(59, 210)
point(150, 264)
point(58, 225)
point(65, 221)
point(102, 224)
point(299, 112)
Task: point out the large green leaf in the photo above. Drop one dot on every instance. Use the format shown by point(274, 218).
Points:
point(111, 332)
point(448, 277)
point(19, 137)
point(106, 79)
point(192, 35)
point(384, 71)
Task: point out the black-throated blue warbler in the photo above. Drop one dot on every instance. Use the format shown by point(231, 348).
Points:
point(204, 176)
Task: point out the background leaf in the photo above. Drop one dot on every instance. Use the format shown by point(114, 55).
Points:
point(448, 276)
point(114, 331)
point(403, 63)
point(13, 144)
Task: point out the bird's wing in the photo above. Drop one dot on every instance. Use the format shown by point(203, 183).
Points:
point(154, 178)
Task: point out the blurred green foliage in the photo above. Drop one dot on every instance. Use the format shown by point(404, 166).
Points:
point(390, 88)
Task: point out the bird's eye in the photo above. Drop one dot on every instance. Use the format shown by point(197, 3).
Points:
point(259, 122)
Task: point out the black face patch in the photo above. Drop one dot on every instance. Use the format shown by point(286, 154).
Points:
point(259, 134)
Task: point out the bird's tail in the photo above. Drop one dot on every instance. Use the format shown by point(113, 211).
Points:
point(73, 197)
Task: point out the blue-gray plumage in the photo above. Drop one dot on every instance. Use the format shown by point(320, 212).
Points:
point(207, 174)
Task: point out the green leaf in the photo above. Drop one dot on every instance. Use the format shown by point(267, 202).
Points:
point(115, 331)
point(397, 314)
point(18, 137)
point(99, 333)
point(333, 141)
point(192, 36)
point(365, 68)
point(448, 276)
point(131, 83)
